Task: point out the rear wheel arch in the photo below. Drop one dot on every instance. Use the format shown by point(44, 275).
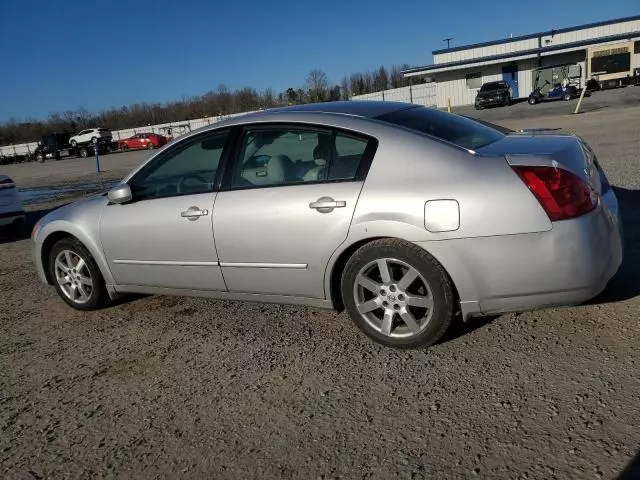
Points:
point(335, 290)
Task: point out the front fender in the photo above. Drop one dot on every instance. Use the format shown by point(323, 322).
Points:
point(62, 226)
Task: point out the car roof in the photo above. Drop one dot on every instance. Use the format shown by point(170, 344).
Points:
point(367, 109)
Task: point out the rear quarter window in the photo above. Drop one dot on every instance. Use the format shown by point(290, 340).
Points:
point(461, 131)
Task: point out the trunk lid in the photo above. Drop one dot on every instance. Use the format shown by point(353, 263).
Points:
point(568, 152)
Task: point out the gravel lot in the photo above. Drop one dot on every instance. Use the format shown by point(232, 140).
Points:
point(161, 387)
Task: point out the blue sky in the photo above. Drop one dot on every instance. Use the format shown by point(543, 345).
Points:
point(165, 50)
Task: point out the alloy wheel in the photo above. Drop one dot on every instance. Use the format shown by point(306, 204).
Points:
point(73, 276)
point(393, 298)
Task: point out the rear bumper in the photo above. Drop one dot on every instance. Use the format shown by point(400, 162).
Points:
point(567, 265)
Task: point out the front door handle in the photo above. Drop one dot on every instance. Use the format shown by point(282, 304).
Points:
point(193, 213)
point(327, 204)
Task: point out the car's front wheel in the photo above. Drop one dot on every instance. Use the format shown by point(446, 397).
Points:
point(76, 276)
point(74, 144)
point(398, 294)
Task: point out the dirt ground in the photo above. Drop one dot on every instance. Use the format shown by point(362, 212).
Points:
point(161, 387)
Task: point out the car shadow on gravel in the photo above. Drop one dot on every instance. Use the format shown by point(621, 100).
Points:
point(632, 470)
point(626, 283)
point(24, 231)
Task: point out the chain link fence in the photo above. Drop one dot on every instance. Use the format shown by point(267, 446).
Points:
point(22, 151)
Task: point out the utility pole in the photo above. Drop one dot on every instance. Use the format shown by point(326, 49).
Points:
point(448, 40)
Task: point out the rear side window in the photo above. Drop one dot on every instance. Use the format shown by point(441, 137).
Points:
point(347, 156)
point(461, 131)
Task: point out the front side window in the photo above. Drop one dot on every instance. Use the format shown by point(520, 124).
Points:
point(188, 168)
point(271, 156)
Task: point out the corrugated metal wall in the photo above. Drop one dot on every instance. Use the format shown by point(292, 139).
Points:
point(423, 94)
point(453, 85)
point(557, 39)
point(501, 48)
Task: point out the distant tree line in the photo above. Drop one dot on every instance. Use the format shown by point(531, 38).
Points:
point(221, 101)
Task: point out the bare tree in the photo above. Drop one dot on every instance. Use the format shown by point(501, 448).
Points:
point(345, 90)
point(317, 85)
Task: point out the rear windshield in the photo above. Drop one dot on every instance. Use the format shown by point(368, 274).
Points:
point(103, 129)
point(461, 131)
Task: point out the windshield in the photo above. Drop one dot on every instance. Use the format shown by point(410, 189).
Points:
point(492, 86)
point(461, 131)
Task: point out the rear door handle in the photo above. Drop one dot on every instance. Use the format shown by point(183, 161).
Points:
point(193, 213)
point(327, 204)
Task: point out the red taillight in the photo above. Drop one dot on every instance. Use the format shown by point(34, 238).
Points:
point(562, 194)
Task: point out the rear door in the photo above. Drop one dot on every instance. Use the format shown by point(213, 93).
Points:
point(135, 141)
point(289, 200)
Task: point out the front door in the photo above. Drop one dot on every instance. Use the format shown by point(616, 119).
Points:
point(164, 236)
point(510, 75)
point(291, 195)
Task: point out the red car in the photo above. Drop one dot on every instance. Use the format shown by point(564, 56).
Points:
point(143, 140)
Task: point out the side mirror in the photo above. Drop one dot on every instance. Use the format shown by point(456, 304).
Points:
point(120, 194)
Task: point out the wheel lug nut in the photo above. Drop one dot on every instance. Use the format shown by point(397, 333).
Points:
point(396, 306)
point(392, 288)
point(401, 297)
point(385, 304)
point(383, 293)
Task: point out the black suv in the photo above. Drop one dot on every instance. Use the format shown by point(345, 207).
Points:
point(493, 93)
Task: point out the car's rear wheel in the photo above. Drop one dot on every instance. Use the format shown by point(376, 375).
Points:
point(150, 146)
point(84, 152)
point(76, 276)
point(398, 294)
point(532, 101)
point(124, 146)
point(40, 157)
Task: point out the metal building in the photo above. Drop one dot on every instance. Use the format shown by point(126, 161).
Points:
point(608, 51)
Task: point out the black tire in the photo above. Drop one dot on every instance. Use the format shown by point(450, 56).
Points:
point(74, 144)
point(99, 297)
point(532, 101)
point(478, 107)
point(150, 146)
point(124, 147)
point(40, 157)
point(84, 152)
point(93, 139)
point(440, 287)
point(567, 97)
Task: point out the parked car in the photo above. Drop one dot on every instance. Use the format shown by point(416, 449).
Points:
point(11, 210)
point(143, 140)
point(492, 94)
point(101, 135)
point(401, 214)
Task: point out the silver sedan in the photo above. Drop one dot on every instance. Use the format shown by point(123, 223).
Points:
point(404, 216)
